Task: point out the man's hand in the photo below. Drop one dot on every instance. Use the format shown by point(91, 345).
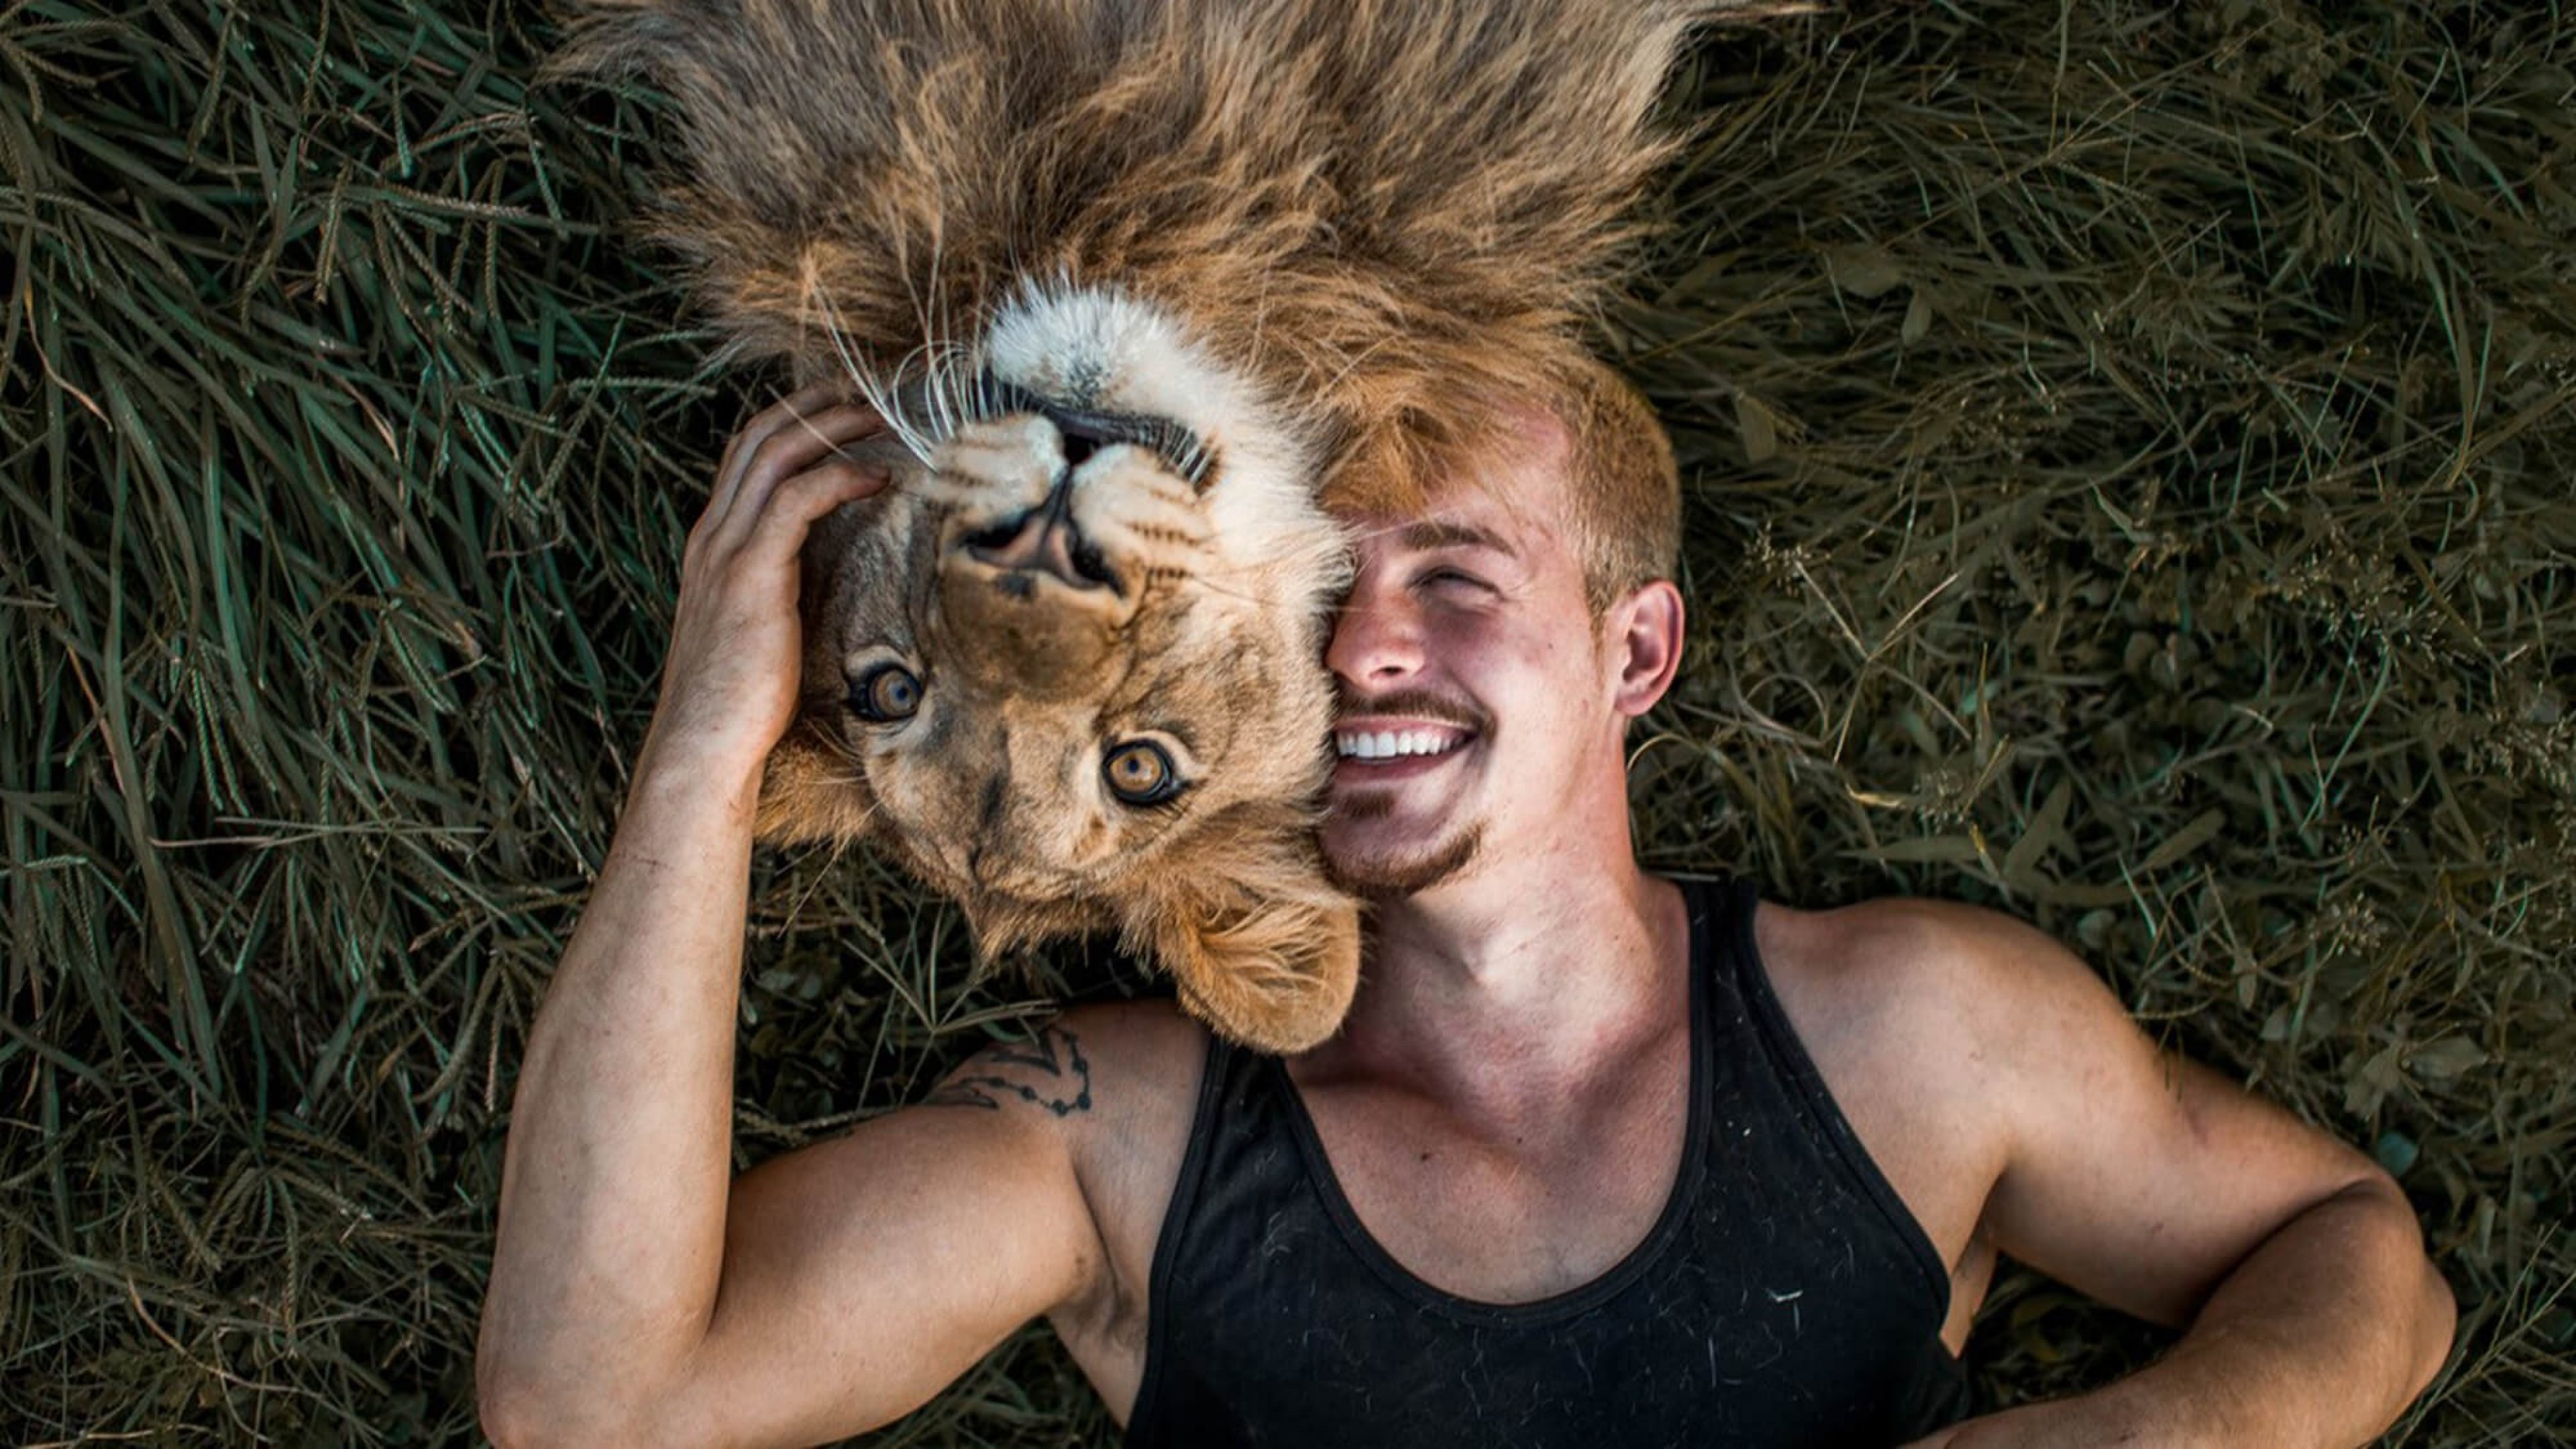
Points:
point(729, 684)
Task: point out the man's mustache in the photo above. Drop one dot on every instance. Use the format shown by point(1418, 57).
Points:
point(1420, 704)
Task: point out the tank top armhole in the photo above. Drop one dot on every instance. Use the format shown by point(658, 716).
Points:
point(1754, 977)
point(1167, 1240)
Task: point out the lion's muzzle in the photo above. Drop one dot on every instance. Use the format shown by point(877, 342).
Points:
point(1044, 540)
point(1031, 606)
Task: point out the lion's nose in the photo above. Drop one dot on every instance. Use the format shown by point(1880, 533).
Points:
point(1043, 540)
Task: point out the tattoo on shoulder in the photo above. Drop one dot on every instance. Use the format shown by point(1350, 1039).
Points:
point(1049, 1071)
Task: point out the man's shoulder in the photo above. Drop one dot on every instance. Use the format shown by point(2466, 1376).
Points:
point(1101, 1060)
point(1150, 1046)
point(1940, 980)
point(1139, 1065)
point(1946, 1032)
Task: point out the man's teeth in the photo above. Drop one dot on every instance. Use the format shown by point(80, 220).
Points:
point(1387, 744)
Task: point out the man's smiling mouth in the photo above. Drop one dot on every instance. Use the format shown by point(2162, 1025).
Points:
point(1357, 742)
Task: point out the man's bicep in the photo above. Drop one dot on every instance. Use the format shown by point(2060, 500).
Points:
point(2134, 1175)
point(863, 1274)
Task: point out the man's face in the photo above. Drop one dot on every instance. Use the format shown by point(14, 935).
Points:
point(1472, 686)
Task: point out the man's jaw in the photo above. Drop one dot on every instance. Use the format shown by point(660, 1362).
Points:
point(1393, 875)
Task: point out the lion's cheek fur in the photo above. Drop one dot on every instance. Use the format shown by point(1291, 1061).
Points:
point(1258, 945)
point(809, 792)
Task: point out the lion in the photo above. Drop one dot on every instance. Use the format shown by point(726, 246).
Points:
point(1149, 293)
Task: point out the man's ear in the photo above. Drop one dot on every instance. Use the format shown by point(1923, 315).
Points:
point(809, 791)
point(1270, 963)
point(1644, 631)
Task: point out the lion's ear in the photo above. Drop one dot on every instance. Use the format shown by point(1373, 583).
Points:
point(809, 792)
point(1272, 971)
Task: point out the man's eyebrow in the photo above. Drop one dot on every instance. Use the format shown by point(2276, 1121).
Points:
point(1438, 533)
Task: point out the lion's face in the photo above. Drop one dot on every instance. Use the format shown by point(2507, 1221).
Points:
point(1070, 670)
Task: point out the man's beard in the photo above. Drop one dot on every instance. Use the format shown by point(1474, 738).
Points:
point(1393, 877)
point(1387, 877)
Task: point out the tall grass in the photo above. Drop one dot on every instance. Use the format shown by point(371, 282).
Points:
point(2130, 458)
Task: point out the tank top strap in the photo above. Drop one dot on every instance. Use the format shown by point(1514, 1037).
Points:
point(1753, 1028)
point(1713, 904)
point(1218, 1080)
point(1233, 1116)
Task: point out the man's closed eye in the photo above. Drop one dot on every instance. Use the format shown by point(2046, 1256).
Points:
point(1449, 577)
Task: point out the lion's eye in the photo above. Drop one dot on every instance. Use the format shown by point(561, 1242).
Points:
point(1140, 772)
point(887, 694)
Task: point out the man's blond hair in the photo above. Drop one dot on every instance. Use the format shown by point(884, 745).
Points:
point(1624, 493)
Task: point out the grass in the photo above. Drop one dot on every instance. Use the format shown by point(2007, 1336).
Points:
point(2128, 455)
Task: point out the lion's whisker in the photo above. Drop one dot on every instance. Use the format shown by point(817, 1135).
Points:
point(878, 394)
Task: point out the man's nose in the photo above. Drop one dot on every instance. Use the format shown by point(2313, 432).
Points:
point(1377, 637)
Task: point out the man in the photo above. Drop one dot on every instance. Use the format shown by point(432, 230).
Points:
point(1599, 1157)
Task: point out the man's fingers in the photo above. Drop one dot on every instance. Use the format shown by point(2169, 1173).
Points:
point(793, 410)
point(812, 398)
point(793, 448)
point(801, 500)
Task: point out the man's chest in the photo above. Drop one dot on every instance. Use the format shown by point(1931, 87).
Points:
point(1496, 1215)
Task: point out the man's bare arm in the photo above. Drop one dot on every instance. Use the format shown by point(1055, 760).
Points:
point(2321, 1337)
point(2154, 1184)
point(864, 1274)
point(637, 1294)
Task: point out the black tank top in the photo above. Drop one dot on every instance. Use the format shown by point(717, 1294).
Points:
point(1785, 1297)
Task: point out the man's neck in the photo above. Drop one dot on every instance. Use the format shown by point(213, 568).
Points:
point(1514, 982)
